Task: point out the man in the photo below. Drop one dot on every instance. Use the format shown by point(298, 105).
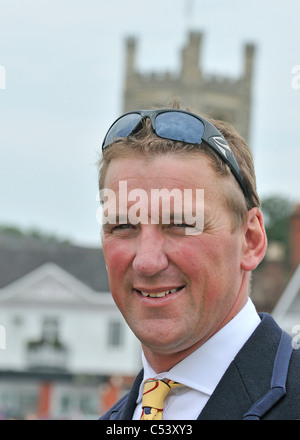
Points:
point(182, 282)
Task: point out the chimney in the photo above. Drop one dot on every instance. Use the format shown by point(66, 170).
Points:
point(295, 237)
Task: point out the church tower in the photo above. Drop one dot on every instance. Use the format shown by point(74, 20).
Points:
point(212, 95)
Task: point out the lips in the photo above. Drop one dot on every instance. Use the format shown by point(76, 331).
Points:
point(158, 293)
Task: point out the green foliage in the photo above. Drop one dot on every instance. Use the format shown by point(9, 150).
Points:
point(33, 233)
point(11, 230)
point(277, 211)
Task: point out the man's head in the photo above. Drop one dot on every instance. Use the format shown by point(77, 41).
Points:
point(145, 143)
point(176, 290)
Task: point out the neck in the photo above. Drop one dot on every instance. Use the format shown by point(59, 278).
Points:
point(161, 362)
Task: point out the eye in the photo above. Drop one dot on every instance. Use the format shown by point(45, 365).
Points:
point(123, 229)
point(122, 226)
point(179, 228)
point(182, 225)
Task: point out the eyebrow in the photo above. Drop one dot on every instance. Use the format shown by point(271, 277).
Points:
point(169, 217)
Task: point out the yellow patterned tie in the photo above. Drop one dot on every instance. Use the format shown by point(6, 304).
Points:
point(154, 394)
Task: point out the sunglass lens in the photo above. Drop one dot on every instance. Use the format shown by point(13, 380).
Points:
point(122, 127)
point(179, 127)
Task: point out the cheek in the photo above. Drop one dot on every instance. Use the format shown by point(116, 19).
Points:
point(194, 258)
point(118, 255)
point(208, 263)
point(116, 258)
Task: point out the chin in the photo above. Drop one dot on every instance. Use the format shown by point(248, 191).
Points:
point(163, 344)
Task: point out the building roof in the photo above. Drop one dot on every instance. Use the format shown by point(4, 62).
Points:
point(20, 255)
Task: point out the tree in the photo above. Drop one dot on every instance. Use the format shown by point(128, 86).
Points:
point(33, 233)
point(277, 211)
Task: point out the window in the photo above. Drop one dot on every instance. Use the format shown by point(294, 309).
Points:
point(115, 334)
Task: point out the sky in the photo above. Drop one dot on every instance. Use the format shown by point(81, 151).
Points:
point(61, 86)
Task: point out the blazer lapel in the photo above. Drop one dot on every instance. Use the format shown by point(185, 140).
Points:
point(230, 399)
point(248, 377)
point(129, 406)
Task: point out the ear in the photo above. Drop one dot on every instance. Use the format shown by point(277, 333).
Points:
point(255, 240)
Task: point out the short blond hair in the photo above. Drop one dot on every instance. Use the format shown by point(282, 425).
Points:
point(146, 143)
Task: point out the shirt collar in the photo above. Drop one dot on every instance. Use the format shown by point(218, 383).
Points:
point(203, 369)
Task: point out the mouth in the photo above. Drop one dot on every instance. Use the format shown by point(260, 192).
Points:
point(159, 294)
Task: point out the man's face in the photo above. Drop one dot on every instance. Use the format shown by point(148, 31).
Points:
point(201, 273)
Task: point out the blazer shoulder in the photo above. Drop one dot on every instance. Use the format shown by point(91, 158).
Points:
point(255, 376)
point(269, 366)
point(114, 412)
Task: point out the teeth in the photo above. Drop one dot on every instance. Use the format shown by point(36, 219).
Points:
point(159, 294)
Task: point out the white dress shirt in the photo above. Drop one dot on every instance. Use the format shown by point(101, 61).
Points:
point(202, 370)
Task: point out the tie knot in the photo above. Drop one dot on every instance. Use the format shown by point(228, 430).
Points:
point(155, 391)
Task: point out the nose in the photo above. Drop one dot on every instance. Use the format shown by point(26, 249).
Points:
point(150, 257)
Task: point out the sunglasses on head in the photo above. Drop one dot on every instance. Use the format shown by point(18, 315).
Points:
point(176, 125)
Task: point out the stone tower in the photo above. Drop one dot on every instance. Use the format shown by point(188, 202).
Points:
point(216, 96)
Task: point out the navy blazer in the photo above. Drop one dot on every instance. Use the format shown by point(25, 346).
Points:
point(262, 382)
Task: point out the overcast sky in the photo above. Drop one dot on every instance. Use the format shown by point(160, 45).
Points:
point(61, 84)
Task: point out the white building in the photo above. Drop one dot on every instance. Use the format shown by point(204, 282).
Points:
point(61, 342)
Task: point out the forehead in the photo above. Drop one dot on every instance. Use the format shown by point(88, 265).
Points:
point(171, 170)
point(140, 183)
point(184, 178)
